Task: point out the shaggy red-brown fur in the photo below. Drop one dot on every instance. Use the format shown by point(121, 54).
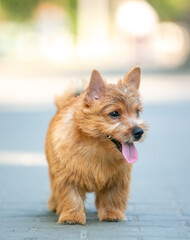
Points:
point(80, 155)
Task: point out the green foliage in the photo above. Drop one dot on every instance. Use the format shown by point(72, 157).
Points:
point(18, 9)
point(171, 9)
point(72, 9)
point(21, 10)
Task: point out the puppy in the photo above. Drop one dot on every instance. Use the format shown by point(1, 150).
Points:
point(90, 148)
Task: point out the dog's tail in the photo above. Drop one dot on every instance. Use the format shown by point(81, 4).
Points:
point(61, 101)
point(71, 92)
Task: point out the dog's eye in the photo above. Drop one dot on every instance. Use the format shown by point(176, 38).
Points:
point(114, 114)
point(137, 112)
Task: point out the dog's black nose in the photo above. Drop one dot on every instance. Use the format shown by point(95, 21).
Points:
point(137, 133)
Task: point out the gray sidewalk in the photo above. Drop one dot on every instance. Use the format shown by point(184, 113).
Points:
point(159, 208)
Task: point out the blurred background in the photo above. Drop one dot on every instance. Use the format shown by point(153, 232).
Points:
point(76, 35)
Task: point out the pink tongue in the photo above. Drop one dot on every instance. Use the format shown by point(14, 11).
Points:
point(129, 152)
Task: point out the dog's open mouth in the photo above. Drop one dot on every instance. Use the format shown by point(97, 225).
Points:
point(127, 149)
point(118, 144)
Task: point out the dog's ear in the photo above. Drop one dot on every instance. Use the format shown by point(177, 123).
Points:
point(132, 78)
point(96, 87)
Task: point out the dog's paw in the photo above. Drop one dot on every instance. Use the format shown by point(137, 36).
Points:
point(111, 216)
point(71, 219)
point(111, 220)
point(69, 223)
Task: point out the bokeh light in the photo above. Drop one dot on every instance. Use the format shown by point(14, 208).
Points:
point(171, 43)
point(136, 18)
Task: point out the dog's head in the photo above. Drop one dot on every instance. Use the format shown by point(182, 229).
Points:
point(114, 112)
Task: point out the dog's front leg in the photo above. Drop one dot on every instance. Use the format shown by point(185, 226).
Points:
point(70, 207)
point(111, 202)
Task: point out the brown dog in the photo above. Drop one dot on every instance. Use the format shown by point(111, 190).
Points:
point(89, 148)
